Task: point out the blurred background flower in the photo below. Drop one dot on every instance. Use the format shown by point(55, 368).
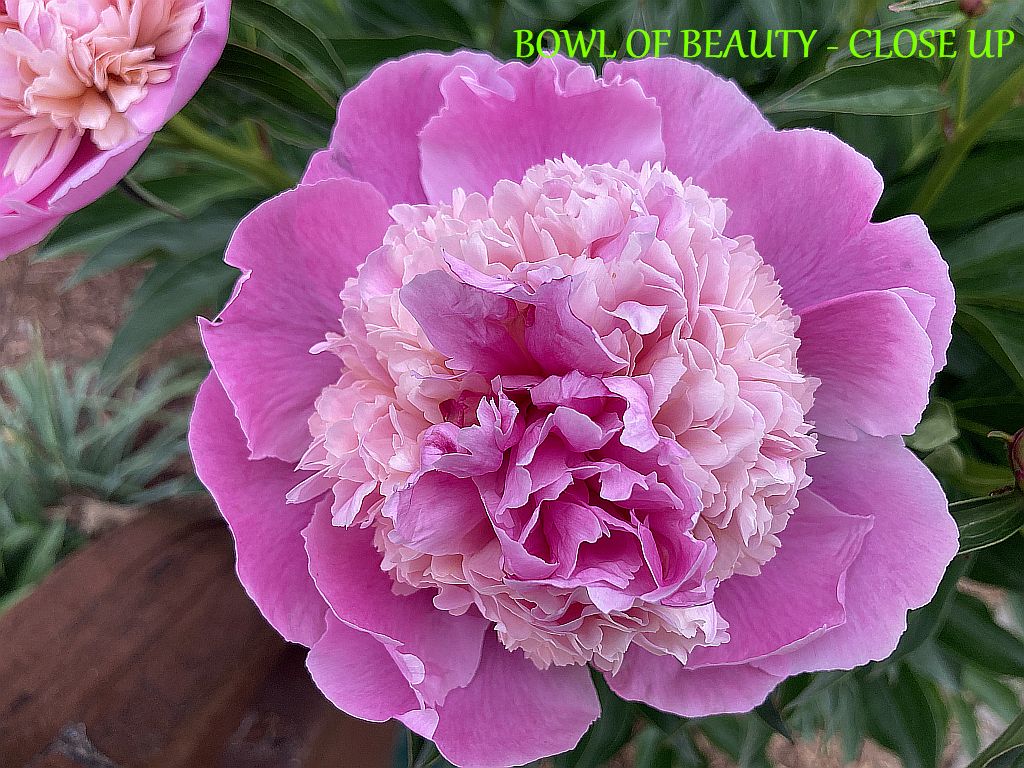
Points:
point(83, 87)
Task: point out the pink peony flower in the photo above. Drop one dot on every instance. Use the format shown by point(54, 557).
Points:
point(538, 372)
point(84, 84)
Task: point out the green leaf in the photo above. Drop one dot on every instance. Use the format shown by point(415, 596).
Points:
point(924, 623)
point(991, 691)
point(769, 712)
point(607, 736)
point(173, 291)
point(295, 37)
point(744, 739)
point(883, 44)
point(937, 427)
point(1012, 758)
point(992, 178)
point(1000, 241)
point(651, 750)
point(998, 332)
point(877, 87)
point(191, 189)
point(391, 18)
point(1005, 751)
point(988, 520)
point(43, 556)
point(271, 90)
point(967, 725)
point(209, 230)
point(1000, 565)
point(361, 54)
point(972, 633)
point(906, 716)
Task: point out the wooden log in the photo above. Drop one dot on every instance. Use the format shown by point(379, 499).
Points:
point(143, 651)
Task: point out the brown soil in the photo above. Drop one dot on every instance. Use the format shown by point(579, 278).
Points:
point(76, 325)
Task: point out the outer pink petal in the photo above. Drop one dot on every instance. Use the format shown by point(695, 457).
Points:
point(892, 254)
point(874, 360)
point(251, 496)
point(704, 117)
point(799, 593)
point(89, 175)
point(904, 556)
point(513, 713)
point(498, 126)
point(294, 260)
point(434, 650)
point(193, 64)
point(379, 121)
point(802, 195)
point(358, 675)
point(664, 683)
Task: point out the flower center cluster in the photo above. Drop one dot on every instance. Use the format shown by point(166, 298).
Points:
point(71, 67)
point(573, 407)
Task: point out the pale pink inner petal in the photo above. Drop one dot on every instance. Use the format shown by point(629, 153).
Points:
point(73, 68)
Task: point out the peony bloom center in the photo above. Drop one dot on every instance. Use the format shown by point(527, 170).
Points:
point(74, 68)
point(572, 407)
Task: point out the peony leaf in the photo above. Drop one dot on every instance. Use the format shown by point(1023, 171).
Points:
point(296, 38)
point(907, 717)
point(883, 44)
point(258, 85)
point(652, 751)
point(1000, 565)
point(769, 712)
point(607, 736)
point(988, 520)
point(915, 5)
point(173, 291)
point(877, 87)
point(744, 739)
point(924, 623)
point(1007, 751)
point(972, 633)
point(190, 189)
point(937, 427)
point(990, 691)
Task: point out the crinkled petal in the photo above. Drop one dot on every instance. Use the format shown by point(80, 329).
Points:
point(497, 125)
point(267, 531)
point(436, 513)
point(874, 360)
point(801, 194)
point(191, 67)
point(435, 650)
point(379, 121)
point(892, 254)
point(798, 594)
point(468, 325)
point(355, 671)
point(295, 261)
point(704, 117)
point(911, 543)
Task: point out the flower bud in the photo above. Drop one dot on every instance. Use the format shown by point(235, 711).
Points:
point(974, 8)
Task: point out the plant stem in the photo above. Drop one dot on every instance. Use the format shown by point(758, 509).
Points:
point(963, 142)
point(258, 165)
